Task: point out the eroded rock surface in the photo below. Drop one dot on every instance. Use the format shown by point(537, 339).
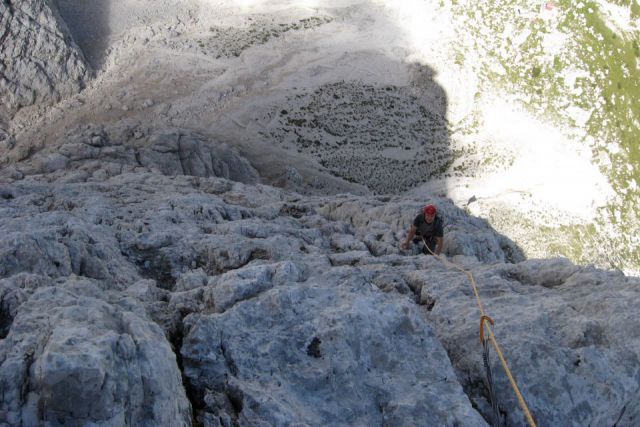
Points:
point(322, 352)
point(39, 62)
point(264, 307)
point(379, 136)
point(78, 354)
point(148, 278)
point(558, 330)
point(93, 154)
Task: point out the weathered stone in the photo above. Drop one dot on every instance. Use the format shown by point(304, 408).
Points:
point(83, 358)
point(190, 154)
point(39, 62)
point(143, 265)
point(346, 242)
point(562, 331)
point(322, 353)
point(170, 152)
point(293, 298)
point(59, 245)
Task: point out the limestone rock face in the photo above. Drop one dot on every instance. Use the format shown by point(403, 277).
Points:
point(39, 62)
point(567, 332)
point(324, 352)
point(190, 154)
point(148, 277)
point(61, 245)
point(166, 299)
point(77, 355)
point(93, 154)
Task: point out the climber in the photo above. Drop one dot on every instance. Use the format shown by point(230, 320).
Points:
point(426, 225)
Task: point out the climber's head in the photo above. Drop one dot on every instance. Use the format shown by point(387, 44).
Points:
point(429, 212)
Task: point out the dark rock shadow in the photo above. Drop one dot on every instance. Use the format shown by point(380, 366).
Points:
point(88, 23)
point(389, 138)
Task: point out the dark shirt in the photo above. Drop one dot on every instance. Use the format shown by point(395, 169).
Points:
point(426, 230)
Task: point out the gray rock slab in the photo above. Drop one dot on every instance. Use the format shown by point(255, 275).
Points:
point(568, 333)
point(39, 62)
point(331, 351)
point(256, 273)
point(73, 357)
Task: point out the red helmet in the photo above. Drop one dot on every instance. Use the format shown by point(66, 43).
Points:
point(429, 210)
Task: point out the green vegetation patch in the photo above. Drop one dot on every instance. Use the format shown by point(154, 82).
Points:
point(562, 60)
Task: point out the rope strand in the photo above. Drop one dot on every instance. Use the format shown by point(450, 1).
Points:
point(492, 338)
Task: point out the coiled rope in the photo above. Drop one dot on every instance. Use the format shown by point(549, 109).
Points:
point(492, 338)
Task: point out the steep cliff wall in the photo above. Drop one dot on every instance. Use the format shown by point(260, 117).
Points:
point(149, 276)
point(129, 296)
point(39, 62)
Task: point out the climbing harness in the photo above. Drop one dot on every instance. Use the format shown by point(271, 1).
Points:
point(484, 323)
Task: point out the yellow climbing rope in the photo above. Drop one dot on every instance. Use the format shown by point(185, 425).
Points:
point(492, 338)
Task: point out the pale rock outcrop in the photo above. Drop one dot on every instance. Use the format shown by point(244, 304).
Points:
point(569, 333)
point(76, 356)
point(282, 309)
point(59, 244)
point(189, 153)
point(7, 141)
point(381, 223)
point(94, 154)
point(248, 282)
point(14, 291)
point(39, 62)
point(326, 352)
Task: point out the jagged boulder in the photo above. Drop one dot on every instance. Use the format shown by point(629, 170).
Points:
point(61, 245)
point(191, 154)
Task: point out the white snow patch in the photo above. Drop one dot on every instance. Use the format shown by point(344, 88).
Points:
point(618, 17)
point(554, 42)
point(549, 171)
point(579, 115)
